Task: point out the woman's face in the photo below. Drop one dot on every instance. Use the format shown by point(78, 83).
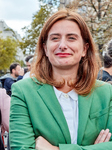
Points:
point(65, 47)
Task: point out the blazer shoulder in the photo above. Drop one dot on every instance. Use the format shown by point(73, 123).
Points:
point(103, 88)
point(102, 84)
point(28, 82)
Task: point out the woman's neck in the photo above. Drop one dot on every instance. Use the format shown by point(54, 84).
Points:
point(65, 89)
point(68, 76)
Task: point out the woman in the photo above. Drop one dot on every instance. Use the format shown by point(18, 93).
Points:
point(62, 106)
point(4, 109)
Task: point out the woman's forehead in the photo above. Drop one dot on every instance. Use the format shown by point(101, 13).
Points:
point(62, 26)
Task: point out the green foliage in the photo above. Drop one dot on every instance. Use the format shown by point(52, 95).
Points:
point(32, 32)
point(8, 50)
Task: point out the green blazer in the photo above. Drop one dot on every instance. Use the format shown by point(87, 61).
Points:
point(35, 111)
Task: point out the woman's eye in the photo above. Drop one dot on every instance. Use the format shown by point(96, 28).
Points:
point(54, 38)
point(72, 38)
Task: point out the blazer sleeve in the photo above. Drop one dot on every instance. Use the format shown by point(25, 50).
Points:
point(101, 146)
point(20, 128)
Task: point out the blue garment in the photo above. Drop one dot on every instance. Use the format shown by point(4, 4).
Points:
point(8, 83)
point(104, 76)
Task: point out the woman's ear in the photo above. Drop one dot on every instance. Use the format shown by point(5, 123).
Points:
point(86, 46)
point(45, 48)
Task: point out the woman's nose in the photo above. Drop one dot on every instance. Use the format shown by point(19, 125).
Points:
point(63, 44)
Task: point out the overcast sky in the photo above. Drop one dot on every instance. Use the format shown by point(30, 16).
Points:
point(18, 13)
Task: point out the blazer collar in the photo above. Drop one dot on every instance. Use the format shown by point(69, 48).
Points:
point(48, 96)
point(84, 103)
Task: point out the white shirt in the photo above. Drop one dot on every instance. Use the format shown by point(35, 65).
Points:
point(69, 105)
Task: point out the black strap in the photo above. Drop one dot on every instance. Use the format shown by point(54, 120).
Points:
point(1, 142)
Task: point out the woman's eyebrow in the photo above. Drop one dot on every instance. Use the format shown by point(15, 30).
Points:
point(73, 34)
point(54, 34)
point(69, 34)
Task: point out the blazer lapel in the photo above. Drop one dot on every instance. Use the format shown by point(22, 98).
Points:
point(47, 94)
point(84, 103)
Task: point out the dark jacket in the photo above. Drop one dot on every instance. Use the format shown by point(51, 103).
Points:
point(7, 80)
point(104, 76)
point(8, 83)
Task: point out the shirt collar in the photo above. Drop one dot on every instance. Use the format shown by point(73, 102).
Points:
point(57, 92)
point(72, 94)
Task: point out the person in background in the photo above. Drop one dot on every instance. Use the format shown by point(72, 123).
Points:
point(105, 73)
point(16, 74)
point(28, 60)
point(62, 106)
point(4, 109)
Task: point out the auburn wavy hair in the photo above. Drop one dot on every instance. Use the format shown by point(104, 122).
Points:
point(88, 66)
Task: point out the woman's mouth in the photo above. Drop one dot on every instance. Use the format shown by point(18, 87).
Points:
point(63, 54)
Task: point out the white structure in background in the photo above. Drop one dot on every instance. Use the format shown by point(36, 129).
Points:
point(64, 3)
point(5, 32)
